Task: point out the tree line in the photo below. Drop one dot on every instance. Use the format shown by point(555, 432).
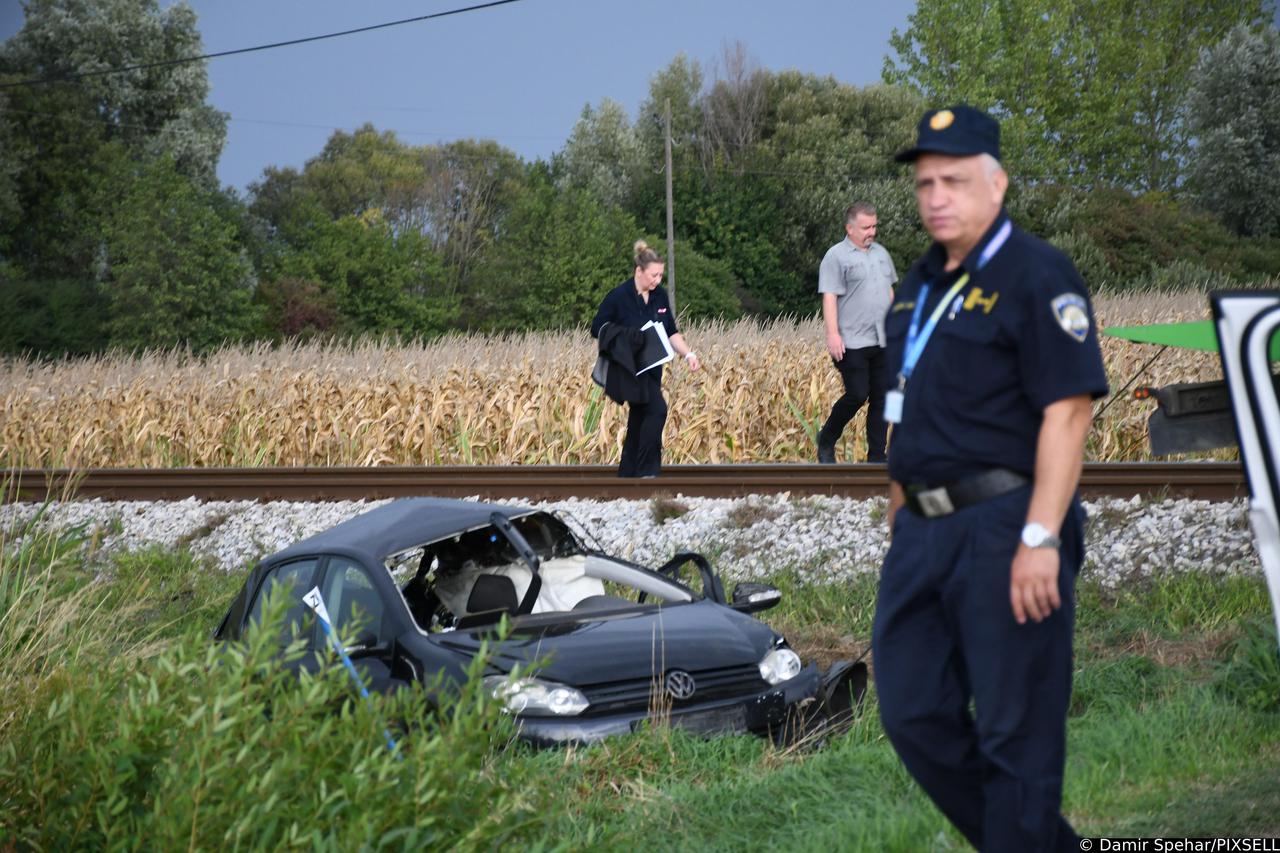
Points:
point(1143, 139)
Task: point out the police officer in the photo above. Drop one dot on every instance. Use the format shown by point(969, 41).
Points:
point(995, 351)
point(637, 301)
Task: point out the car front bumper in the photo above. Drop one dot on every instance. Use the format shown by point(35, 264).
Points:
point(769, 711)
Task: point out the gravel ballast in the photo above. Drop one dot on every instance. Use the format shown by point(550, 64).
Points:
point(821, 539)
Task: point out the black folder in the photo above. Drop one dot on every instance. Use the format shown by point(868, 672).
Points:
point(657, 347)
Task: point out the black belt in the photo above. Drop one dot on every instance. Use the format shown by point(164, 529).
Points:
point(935, 501)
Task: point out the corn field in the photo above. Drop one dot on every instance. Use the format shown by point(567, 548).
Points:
point(525, 399)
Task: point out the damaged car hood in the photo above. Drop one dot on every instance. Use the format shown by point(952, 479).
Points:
point(635, 644)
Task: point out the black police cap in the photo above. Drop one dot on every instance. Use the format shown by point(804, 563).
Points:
point(959, 131)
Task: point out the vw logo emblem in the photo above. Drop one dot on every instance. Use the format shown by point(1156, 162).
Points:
point(680, 684)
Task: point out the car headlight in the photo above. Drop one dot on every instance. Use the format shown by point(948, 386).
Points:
point(535, 697)
point(780, 665)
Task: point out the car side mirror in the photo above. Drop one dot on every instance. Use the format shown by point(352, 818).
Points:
point(754, 597)
point(366, 645)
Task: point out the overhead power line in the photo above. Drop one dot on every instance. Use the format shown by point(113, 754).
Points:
point(442, 137)
point(64, 78)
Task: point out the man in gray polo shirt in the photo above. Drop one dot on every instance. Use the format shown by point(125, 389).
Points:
point(856, 282)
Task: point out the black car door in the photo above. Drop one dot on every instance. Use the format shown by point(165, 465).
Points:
point(292, 581)
point(361, 621)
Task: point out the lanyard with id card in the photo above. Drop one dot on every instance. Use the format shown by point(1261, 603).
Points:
point(918, 339)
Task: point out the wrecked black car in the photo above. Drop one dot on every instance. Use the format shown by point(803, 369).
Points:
point(600, 645)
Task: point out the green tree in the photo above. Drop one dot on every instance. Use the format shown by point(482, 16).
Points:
point(764, 167)
point(602, 154)
point(52, 316)
point(297, 308)
point(174, 272)
point(361, 171)
point(470, 187)
point(281, 201)
point(680, 85)
point(379, 279)
point(561, 251)
point(833, 144)
point(707, 287)
point(1122, 240)
point(1088, 91)
point(69, 151)
point(453, 196)
point(1234, 115)
point(150, 110)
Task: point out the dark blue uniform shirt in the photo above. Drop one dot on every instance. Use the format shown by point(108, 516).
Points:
point(1019, 336)
point(624, 306)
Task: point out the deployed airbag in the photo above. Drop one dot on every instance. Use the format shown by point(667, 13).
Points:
point(564, 584)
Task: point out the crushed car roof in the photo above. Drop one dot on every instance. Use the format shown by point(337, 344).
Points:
point(400, 525)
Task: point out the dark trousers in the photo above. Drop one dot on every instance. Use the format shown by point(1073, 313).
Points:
point(865, 374)
point(642, 446)
point(944, 634)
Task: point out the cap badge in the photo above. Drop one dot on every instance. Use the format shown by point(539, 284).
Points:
point(1072, 315)
point(942, 119)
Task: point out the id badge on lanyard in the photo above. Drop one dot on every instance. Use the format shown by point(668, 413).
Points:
point(893, 406)
point(918, 338)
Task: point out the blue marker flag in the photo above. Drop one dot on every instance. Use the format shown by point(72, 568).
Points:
point(315, 601)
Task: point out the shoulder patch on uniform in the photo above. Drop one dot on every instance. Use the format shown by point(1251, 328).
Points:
point(1072, 315)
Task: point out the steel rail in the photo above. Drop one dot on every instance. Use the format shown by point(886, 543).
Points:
point(1213, 481)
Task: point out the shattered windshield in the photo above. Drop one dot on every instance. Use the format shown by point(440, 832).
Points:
point(486, 547)
point(479, 574)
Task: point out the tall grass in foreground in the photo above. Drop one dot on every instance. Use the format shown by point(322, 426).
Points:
point(208, 748)
point(46, 618)
point(514, 399)
point(106, 743)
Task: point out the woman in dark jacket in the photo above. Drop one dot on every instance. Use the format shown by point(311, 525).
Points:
point(632, 304)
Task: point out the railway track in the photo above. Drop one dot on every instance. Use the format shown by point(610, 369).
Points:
point(1200, 480)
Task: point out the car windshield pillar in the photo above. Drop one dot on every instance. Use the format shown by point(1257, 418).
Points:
point(526, 552)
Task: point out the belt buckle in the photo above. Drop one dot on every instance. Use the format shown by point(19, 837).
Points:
point(935, 502)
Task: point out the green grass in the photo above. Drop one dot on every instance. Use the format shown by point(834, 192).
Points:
point(119, 724)
point(740, 794)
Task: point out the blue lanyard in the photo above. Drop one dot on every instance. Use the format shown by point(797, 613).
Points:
point(918, 339)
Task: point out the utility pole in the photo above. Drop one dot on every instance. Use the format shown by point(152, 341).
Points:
point(671, 234)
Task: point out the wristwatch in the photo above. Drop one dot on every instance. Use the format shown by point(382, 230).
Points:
point(1036, 535)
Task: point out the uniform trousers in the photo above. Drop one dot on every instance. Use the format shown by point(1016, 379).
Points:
point(642, 446)
point(865, 374)
point(944, 637)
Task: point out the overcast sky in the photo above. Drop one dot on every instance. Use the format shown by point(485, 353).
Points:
point(519, 74)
